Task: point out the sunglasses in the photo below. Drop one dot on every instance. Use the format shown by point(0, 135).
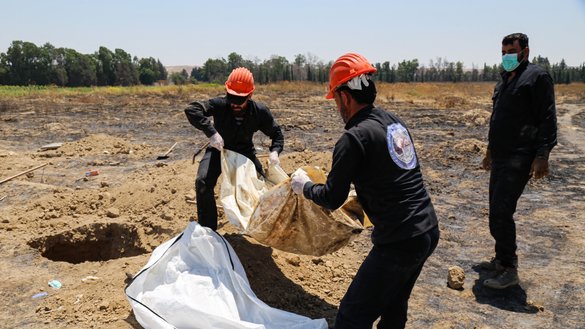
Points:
point(236, 101)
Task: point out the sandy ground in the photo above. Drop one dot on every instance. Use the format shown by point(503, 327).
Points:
point(93, 233)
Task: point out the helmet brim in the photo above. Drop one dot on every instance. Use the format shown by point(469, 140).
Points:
point(235, 93)
point(330, 94)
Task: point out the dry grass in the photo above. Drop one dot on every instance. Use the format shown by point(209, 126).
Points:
point(6, 105)
point(439, 95)
point(571, 92)
point(304, 87)
point(53, 91)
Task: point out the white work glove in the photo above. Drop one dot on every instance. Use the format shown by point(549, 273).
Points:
point(273, 159)
point(216, 141)
point(299, 179)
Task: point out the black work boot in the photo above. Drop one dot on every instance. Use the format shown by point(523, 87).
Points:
point(492, 265)
point(508, 277)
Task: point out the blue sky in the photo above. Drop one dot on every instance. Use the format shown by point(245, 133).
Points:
point(189, 32)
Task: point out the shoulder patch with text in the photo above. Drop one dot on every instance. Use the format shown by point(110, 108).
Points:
point(400, 146)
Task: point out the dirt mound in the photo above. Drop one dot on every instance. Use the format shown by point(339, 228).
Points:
point(100, 144)
point(450, 102)
point(293, 161)
point(476, 117)
point(463, 151)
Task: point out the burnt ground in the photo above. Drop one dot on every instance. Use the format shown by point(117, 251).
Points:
point(91, 233)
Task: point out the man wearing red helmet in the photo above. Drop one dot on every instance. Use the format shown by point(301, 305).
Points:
point(236, 117)
point(377, 155)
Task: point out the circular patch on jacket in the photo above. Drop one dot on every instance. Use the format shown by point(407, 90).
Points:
point(400, 146)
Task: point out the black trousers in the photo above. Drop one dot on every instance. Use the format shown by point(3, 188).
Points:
point(507, 181)
point(207, 175)
point(382, 285)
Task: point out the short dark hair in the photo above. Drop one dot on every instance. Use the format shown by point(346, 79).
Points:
point(521, 37)
point(365, 96)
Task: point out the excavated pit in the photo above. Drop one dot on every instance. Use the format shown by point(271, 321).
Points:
point(91, 243)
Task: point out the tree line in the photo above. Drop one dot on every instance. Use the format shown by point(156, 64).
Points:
point(24, 63)
point(310, 68)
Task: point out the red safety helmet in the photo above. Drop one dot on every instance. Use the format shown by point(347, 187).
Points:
point(240, 82)
point(346, 68)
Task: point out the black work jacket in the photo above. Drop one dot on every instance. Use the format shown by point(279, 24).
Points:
point(237, 136)
point(377, 155)
point(523, 119)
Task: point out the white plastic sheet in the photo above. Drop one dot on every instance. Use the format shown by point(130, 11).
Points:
point(240, 188)
point(196, 281)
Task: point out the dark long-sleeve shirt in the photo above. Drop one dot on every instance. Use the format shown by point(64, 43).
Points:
point(237, 133)
point(377, 155)
point(524, 116)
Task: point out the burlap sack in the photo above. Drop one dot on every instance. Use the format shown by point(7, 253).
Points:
point(288, 222)
point(269, 211)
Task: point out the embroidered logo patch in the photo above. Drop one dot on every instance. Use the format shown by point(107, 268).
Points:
point(400, 146)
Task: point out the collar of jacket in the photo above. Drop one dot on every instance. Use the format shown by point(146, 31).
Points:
point(359, 116)
point(521, 68)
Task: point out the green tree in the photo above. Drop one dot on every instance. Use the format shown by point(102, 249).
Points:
point(178, 78)
point(105, 67)
point(496, 69)
point(80, 68)
point(450, 72)
point(184, 74)
point(148, 71)
point(542, 62)
point(560, 72)
point(277, 68)
point(58, 73)
point(474, 73)
point(486, 73)
point(162, 71)
point(379, 74)
point(24, 63)
point(147, 76)
point(458, 72)
point(215, 70)
point(235, 60)
point(4, 70)
point(393, 77)
point(385, 76)
point(406, 70)
point(125, 72)
point(196, 74)
point(431, 72)
point(298, 70)
point(28, 63)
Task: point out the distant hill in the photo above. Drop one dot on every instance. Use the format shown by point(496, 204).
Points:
point(179, 68)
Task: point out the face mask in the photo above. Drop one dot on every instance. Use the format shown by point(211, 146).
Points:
point(510, 62)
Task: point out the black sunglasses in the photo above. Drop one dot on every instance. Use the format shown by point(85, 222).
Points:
point(236, 100)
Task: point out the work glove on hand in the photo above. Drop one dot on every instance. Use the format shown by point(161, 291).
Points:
point(299, 179)
point(273, 159)
point(216, 141)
